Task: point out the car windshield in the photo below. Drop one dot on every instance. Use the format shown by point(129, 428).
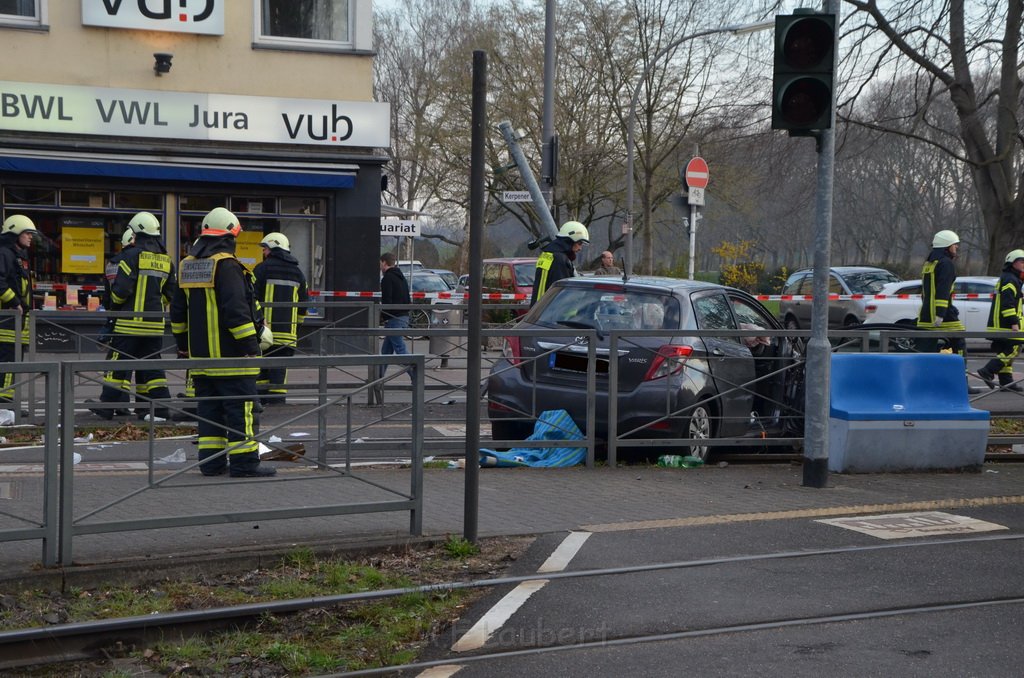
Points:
point(449, 278)
point(427, 282)
point(868, 282)
point(525, 272)
point(604, 309)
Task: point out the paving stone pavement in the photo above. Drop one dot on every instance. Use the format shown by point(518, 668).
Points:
point(511, 502)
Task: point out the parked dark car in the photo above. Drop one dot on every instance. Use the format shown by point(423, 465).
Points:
point(422, 280)
point(674, 386)
point(448, 276)
point(843, 280)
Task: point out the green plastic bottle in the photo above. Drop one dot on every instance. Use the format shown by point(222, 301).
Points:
point(679, 461)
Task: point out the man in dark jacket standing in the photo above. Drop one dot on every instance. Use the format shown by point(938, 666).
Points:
point(215, 315)
point(279, 280)
point(556, 259)
point(1006, 314)
point(16, 236)
point(144, 283)
point(394, 289)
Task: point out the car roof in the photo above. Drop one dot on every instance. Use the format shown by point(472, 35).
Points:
point(660, 283)
point(510, 260)
point(989, 279)
point(848, 269)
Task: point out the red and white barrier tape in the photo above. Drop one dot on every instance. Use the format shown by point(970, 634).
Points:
point(454, 296)
point(858, 297)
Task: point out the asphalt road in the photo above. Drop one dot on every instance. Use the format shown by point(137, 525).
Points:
point(843, 604)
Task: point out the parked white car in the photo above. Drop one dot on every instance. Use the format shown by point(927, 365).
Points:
point(974, 312)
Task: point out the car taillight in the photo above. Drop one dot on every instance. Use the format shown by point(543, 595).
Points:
point(510, 350)
point(871, 308)
point(668, 360)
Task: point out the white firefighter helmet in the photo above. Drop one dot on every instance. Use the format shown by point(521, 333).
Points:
point(146, 223)
point(276, 241)
point(1014, 256)
point(944, 239)
point(18, 224)
point(219, 221)
point(575, 231)
point(127, 237)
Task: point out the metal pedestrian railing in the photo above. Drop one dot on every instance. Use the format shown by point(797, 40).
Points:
point(36, 517)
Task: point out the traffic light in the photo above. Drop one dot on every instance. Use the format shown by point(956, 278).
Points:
point(804, 71)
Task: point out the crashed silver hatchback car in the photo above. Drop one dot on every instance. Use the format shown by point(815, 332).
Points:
point(676, 385)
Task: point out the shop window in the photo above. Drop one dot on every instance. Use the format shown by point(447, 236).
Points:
point(308, 23)
point(22, 12)
point(27, 195)
point(84, 198)
point(253, 205)
point(303, 206)
point(150, 202)
point(200, 203)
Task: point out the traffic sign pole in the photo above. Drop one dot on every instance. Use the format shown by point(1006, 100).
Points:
point(696, 177)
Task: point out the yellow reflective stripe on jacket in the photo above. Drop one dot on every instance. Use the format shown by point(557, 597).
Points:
point(8, 295)
point(544, 262)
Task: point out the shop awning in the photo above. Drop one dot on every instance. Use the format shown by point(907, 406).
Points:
point(171, 169)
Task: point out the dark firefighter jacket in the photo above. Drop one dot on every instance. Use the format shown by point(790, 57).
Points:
point(279, 280)
point(1006, 310)
point(145, 282)
point(109, 274)
point(937, 278)
point(214, 313)
point(553, 264)
point(15, 285)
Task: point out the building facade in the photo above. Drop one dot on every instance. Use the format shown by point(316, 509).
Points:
point(109, 107)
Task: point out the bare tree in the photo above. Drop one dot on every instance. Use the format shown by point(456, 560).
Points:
point(949, 50)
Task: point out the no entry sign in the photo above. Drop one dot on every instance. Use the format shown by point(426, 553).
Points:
point(697, 173)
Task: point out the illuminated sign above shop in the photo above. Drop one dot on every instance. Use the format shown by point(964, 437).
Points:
point(177, 16)
point(68, 109)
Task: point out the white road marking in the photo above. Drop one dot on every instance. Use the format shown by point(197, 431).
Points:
point(445, 671)
point(903, 525)
point(496, 617)
point(565, 552)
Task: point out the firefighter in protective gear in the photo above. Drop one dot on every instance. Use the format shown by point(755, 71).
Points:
point(215, 315)
point(1006, 314)
point(110, 270)
point(144, 284)
point(938, 276)
point(109, 274)
point(279, 280)
point(16, 236)
point(556, 259)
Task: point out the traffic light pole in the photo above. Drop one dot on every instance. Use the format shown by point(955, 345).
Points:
point(819, 352)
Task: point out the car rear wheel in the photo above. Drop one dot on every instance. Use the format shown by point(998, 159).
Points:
point(699, 428)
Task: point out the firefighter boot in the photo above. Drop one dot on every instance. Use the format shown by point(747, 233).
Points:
point(1006, 383)
point(247, 465)
point(988, 372)
point(212, 468)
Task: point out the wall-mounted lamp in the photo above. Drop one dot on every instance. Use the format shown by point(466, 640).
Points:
point(163, 62)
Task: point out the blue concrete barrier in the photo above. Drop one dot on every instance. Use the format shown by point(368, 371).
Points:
point(903, 413)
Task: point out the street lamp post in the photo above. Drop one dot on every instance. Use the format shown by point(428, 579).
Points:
point(631, 121)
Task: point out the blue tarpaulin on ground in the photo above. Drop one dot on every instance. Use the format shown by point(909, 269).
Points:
point(551, 425)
